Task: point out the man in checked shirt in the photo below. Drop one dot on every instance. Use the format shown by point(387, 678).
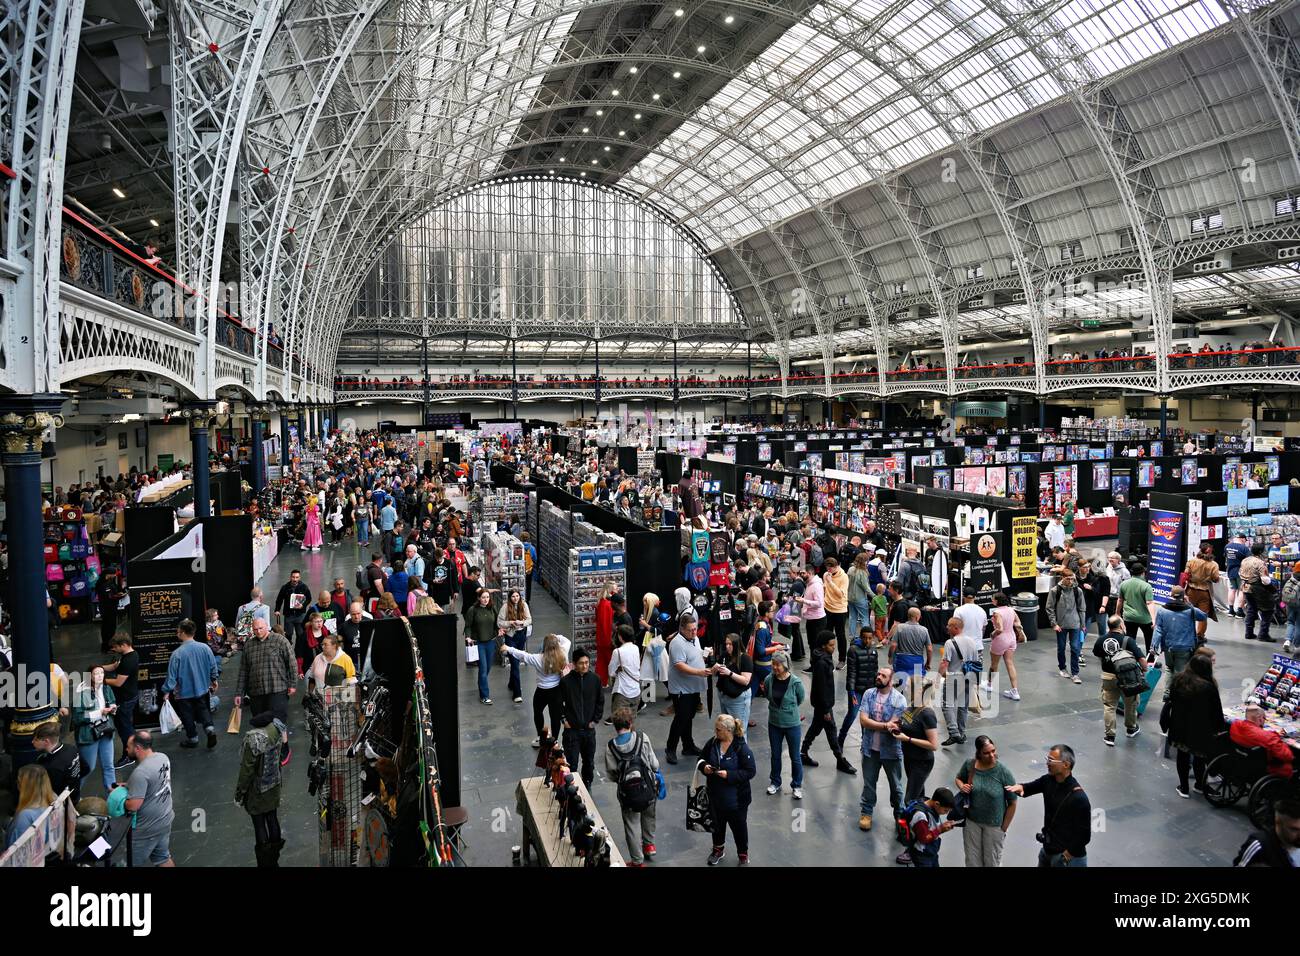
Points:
point(268, 674)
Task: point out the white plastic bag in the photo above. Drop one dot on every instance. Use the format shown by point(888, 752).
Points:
point(471, 653)
point(167, 718)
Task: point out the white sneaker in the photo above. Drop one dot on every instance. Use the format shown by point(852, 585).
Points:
point(537, 743)
point(1063, 672)
point(797, 793)
point(773, 790)
point(1286, 647)
point(1012, 694)
point(986, 687)
point(1076, 679)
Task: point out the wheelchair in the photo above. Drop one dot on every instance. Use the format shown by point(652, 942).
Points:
point(1235, 772)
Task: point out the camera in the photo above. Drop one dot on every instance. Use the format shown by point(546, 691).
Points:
point(1041, 837)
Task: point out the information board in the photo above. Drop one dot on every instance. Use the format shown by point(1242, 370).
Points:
point(1166, 551)
point(156, 609)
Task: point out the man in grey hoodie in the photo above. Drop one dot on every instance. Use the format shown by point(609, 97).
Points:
point(622, 755)
point(1067, 609)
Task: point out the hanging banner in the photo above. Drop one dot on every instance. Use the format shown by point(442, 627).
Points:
point(156, 609)
point(985, 566)
point(1024, 545)
point(1166, 551)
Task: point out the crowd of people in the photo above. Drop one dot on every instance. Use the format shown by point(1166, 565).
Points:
point(811, 635)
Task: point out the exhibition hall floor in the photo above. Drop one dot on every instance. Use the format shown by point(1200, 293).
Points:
point(1141, 820)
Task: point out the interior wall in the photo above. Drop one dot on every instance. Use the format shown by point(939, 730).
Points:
point(79, 459)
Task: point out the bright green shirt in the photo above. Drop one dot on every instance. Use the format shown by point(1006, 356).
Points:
point(1136, 593)
point(880, 605)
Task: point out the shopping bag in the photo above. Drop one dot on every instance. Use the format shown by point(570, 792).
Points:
point(699, 815)
point(236, 715)
point(471, 653)
point(167, 718)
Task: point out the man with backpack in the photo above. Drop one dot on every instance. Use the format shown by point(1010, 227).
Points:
point(1123, 671)
point(960, 669)
point(920, 826)
point(1067, 609)
point(631, 764)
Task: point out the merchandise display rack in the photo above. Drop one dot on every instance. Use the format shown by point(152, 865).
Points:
point(496, 506)
point(590, 568)
point(503, 567)
point(71, 565)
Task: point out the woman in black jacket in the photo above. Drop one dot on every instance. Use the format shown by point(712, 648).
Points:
point(728, 765)
point(1195, 717)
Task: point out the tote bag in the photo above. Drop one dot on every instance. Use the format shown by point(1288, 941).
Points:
point(699, 815)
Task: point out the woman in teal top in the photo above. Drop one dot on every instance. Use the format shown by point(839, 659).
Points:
point(1067, 519)
point(785, 694)
point(992, 806)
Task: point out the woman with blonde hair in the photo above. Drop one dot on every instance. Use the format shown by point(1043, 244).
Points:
point(311, 539)
point(654, 664)
point(550, 665)
point(759, 556)
point(35, 796)
point(426, 605)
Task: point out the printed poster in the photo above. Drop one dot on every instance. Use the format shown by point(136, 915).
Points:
point(1024, 543)
point(1166, 551)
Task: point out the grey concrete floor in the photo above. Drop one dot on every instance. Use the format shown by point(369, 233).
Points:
point(1145, 822)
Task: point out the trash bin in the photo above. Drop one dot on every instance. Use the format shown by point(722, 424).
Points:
point(1026, 605)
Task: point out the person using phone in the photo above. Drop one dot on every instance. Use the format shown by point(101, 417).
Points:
point(728, 765)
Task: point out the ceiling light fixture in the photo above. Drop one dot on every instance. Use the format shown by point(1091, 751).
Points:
point(606, 150)
point(679, 12)
point(655, 97)
point(154, 223)
point(613, 92)
point(729, 19)
point(583, 174)
point(700, 49)
point(677, 74)
point(622, 132)
point(117, 191)
point(636, 115)
point(600, 112)
point(562, 159)
point(631, 69)
point(586, 129)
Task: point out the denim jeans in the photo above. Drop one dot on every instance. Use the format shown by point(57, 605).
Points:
point(518, 640)
point(859, 617)
point(853, 702)
point(1102, 626)
point(1074, 637)
point(486, 651)
point(737, 707)
point(791, 737)
point(363, 531)
point(871, 764)
point(1176, 659)
point(101, 753)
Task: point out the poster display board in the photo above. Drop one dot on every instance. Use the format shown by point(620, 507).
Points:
point(156, 609)
point(1024, 542)
point(1167, 530)
point(986, 566)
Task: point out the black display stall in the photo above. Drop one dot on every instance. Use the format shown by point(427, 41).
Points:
point(435, 635)
point(144, 528)
point(227, 492)
point(652, 559)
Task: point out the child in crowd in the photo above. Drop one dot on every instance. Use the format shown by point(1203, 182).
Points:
point(215, 633)
point(880, 611)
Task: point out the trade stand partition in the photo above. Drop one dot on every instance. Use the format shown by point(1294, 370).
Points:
point(144, 527)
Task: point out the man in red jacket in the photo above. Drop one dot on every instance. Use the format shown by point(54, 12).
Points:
point(1251, 732)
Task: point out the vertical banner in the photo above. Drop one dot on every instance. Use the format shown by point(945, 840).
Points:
point(1024, 547)
point(985, 566)
point(1167, 528)
point(156, 609)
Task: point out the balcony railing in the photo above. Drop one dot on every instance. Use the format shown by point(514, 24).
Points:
point(93, 260)
point(1261, 357)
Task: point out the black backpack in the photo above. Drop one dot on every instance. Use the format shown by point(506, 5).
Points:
point(363, 580)
point(637, 786)
point(1128, 672)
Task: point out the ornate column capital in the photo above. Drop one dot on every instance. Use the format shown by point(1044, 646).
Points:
point(202, 415)
point(24, 420)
